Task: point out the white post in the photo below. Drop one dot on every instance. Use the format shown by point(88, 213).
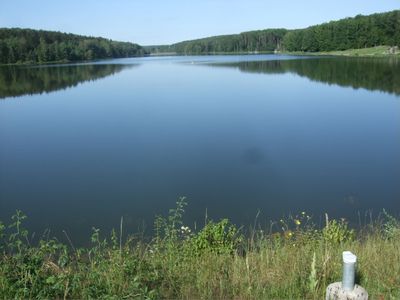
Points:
point(347, 290)
point(349, 271)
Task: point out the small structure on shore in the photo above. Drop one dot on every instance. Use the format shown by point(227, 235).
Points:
point(394, 50)
point(347, 289)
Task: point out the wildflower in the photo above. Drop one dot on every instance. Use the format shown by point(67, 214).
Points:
point(303, 213)
point(297, 222)
point(185, 229)
point(288, 234)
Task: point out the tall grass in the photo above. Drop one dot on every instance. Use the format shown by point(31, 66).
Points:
point(217, 262)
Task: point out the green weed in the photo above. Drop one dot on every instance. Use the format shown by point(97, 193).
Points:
point(215, 261)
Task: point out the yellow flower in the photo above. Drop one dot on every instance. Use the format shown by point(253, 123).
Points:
point(297, 222)
point(288, 234)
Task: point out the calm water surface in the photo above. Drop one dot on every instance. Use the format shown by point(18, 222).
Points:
point(82, 145)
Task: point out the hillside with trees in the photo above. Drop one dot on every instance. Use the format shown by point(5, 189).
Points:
point(252, 41)
point(39, 46)
point(350, 33)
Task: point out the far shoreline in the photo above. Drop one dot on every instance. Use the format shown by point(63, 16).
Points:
point(373, 52)
point(378, 51)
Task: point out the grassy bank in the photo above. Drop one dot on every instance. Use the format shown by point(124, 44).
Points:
point(217, 261)
point(379, 51)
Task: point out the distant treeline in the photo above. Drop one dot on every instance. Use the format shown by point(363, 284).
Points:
point(262, 40)
point(38, 46)
point(350, 33)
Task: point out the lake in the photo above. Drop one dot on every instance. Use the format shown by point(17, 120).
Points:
point(84, 144)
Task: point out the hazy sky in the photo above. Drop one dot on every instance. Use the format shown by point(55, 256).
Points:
point(150, 22)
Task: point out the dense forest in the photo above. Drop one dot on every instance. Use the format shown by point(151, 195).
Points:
point(351, 33)
point(20, 80)
point(376, 74)
point(252, 41)
point(38, 46)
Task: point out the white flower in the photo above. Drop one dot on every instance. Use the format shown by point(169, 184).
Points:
point(185, 229)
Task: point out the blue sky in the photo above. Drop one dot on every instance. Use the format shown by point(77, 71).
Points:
point(150, 22)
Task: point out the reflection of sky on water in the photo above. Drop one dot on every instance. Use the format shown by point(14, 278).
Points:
point(232, 142)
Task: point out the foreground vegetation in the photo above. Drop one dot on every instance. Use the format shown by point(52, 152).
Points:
point(39, 46)
point(218, 261)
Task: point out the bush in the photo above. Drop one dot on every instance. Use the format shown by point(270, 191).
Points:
point(337, 232)
point(221, 237)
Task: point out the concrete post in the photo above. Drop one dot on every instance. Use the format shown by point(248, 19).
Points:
point(349, 271)
point(347, 290)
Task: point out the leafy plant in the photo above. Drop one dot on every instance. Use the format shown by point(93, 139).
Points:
point(221, 237)
point(391, 228)
point(169, 228)
point(337, 232)
point(2, 228)
point(19, 236)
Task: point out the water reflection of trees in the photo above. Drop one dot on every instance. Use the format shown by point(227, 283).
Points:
point(381, 74)
point(18, 80)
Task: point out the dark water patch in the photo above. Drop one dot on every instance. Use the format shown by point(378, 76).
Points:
point(253, 155)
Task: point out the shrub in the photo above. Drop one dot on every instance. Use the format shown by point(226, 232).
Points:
point(220, 237)
point(337, 232)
